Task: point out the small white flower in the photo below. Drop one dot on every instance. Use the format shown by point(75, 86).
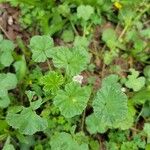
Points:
point(123, 89)
point(10, 20)
point(78, 78)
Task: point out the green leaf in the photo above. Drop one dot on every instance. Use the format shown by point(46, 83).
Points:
point(147, 129)
point(41, 47)
point(146, 33)
point(85, 12)
point(20, 68)
point(147, 71)
point(141, 96)
point(130, 145)
point(73, 60)
point(8, 81)
point(33, 104)
point(67, 36)
point(109, 36)
point(95, 125)
point(145, 113)
point(134, 82)
point(7, 145)
point(52, 81)
point(129, 120)
point(110, 103)
point(6, 48)
point(81, 41)
point(64, 141)
point(73, 100)
point(27, 121)
point(4, 98)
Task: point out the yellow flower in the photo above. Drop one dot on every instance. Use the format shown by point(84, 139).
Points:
point(117, 5)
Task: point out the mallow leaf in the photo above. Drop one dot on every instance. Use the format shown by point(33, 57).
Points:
point(4, 98)
point(27, 121)
point(64, 141)
point(8, 81)
point(129, 120)
point(110, 103)
point(109, 37)
point(52, 81)
point(34, 104)
point(73, 60)
point(6, 48)
point(147, 129)
point(41, 47)
point(95, 125)
point(8, 145)
point(20, 68)
point(85, 12)
point(72, 100)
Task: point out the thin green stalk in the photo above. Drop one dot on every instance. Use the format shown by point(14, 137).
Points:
point(74, 29)
point(131, 22)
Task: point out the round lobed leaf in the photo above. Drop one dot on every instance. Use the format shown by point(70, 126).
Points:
point(73, 100)
point(110, 103)
point(41, 47)
point(65, 141)
point(73, 60)
point(27, 121)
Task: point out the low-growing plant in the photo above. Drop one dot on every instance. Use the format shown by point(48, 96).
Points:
point(88, 92)
point(60, 96)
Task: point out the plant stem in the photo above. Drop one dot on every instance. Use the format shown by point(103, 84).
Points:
point(73, 27)
point(5, 32)
point(49, 65)
point(83, 120)
point(131, 22)
point(123, 31)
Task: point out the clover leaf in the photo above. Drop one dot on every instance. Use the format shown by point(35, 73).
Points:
point(85, 12)
point(26, 121)
point(52, 81)
point(41, 47)
point(6, 48)
point(65, 141)
point(73, 60)
point(110, 103)
point(134, 82)
point(73, 100)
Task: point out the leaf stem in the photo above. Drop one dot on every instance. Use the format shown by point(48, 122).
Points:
point(73, 27)
point(131, 22)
